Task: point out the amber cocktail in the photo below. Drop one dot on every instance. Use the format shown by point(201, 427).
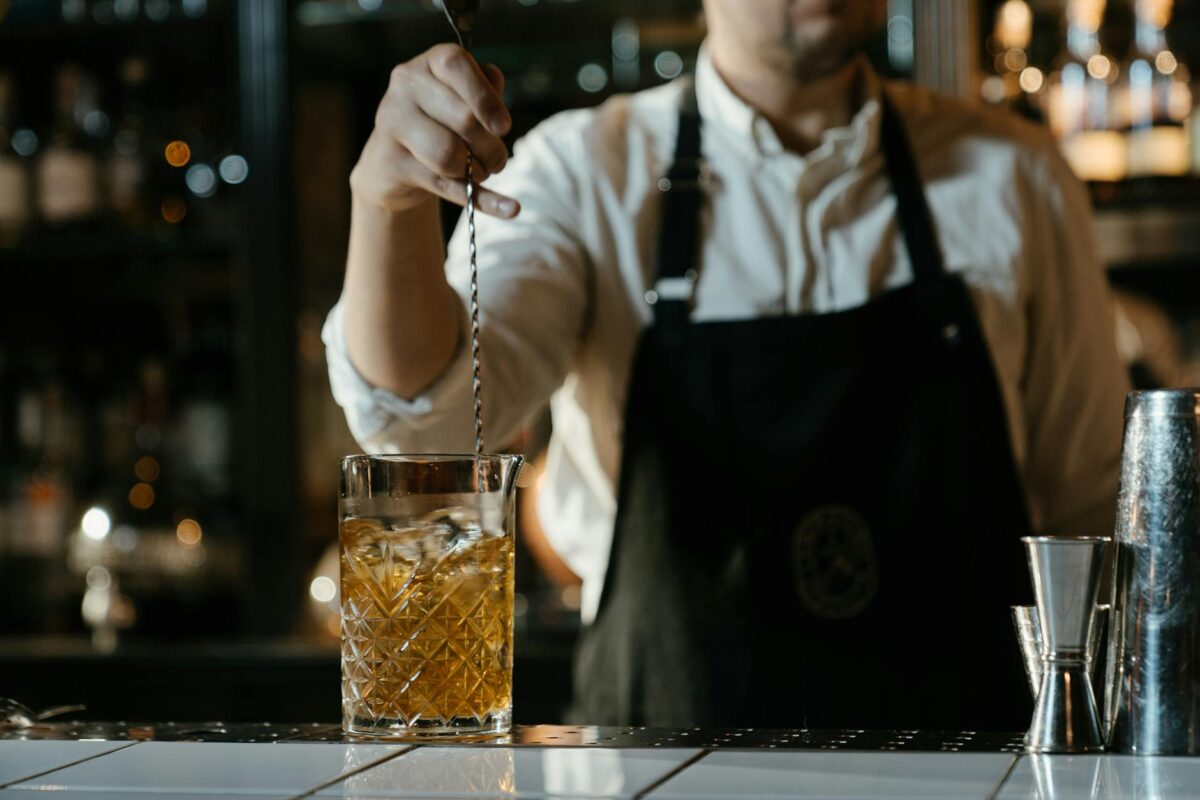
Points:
point(427, 595)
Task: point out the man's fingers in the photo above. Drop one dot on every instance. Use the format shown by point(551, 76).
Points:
point(444, 106)
point(455, 67)
point(495, 205)
point(486, 201)
point(495, 77)
point(435, 148)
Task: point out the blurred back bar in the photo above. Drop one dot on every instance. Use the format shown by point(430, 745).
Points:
point(118, 512)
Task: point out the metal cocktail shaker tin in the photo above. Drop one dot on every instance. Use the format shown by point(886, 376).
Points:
point(1154, 664)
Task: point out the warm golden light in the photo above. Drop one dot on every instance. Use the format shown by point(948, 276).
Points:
point(178, 153)
point(174, 210)
point(1032, 80)
point(141, 496)
point(1099, 67)
point(1156, 12)
point(188, 532)
point(1166, 62)
point(146, 469)
point(1087, 14)
point(1014, 24)
point(1015, 60)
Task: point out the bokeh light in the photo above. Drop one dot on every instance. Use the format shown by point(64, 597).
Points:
point(177, 153)
point(96, 523)
point(141, 496)
point(201, 180)
point(188, 532)
point(99, 578)
point(146, 469)
point(1031, 80)
point(173, 210)
point(592, 78)
point(1099, 67)
point(233, 169)
point(668, 64)
point(322, 589)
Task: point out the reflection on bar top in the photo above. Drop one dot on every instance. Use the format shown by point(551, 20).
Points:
point(545, 736)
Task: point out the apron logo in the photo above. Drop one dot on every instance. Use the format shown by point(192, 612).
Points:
point(833, 563)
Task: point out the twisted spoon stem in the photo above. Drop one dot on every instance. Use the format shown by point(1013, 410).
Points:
point(475, 383)
point(462, 18)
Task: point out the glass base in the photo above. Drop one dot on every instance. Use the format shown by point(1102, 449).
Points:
point(457, 728)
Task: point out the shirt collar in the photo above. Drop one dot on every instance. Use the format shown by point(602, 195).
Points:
point(752, 135)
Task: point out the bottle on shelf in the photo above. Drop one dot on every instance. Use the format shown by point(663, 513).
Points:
point(14, 169)
point(203, 430)
point(1081, 107)
point(45, 425)
point(36, 498)
point(1159, 97)
point(126, 168)
point(68, 174)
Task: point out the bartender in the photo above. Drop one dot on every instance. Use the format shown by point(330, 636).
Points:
point(818, 348)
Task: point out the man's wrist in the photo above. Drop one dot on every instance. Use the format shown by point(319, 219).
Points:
point(366, 199)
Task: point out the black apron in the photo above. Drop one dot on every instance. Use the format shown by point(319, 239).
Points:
point(818, 517)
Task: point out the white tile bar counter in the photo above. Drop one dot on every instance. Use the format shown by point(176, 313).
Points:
point(174, 761)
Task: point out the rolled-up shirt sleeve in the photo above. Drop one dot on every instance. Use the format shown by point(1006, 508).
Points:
point(379, 418)
point(1075, 383)
point(532, 297)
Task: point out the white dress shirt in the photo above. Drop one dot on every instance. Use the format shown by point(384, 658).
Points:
point(562, 287)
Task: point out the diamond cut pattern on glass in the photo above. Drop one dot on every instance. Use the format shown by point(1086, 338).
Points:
point(426, 626)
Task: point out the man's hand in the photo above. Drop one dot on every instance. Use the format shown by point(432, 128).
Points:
point(436, 107)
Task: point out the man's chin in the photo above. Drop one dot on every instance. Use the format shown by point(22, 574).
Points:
point(811, 60)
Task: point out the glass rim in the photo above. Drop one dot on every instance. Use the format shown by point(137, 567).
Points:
point(1045, 539)
point(435, 458)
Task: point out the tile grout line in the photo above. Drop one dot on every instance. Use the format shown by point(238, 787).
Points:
point(68, 764)
point(671, 774)
point(1012, 764)
point(344, 775)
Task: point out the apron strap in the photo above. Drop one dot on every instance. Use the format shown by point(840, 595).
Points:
point(679, 233)
point(916, 221)
point(683, 196)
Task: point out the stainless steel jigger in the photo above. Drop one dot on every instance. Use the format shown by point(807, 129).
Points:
point(1066, 578)
point(1029, 639)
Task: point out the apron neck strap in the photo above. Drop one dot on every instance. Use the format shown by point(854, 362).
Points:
point(683, 190)
point(679, 232)
point(916, 221)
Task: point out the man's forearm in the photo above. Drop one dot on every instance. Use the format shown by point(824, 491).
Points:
point(401, 315)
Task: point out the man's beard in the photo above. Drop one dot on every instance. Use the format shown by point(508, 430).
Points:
point(810, 56)
point(820, 59)
point(811, 59)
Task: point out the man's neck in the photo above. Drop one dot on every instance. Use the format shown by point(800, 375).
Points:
point(799, 111)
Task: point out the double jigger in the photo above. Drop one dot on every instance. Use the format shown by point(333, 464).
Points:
point(1064, 629)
